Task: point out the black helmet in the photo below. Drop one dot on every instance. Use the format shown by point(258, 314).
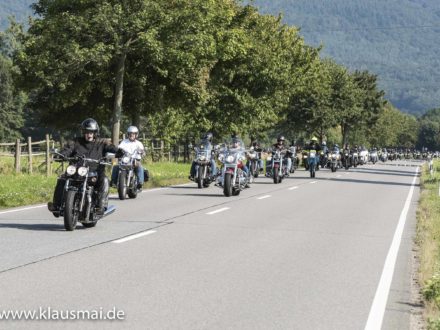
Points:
point(90, 125)
point(281, 138)
point(208, 136)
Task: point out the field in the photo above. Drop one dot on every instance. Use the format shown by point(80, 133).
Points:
point(26, 189)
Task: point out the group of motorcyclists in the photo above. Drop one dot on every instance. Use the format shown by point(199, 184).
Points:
point(230, 165)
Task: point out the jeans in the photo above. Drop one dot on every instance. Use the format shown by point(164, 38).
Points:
point(139, 170)
point(260, 164)
point(194, 168)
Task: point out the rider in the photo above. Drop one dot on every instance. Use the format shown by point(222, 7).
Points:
point(91, 146)
point(314, 145)
point(206, 139)
point(279, 146)
point(131, 145)
point(236, 144)
point(258, 150)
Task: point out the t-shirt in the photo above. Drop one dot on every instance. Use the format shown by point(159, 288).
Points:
point(132, 146)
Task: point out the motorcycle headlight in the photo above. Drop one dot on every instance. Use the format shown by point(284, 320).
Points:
point(71, 170)
point(334, 156)
point(125, 159)
point(312, 155)
point(230, 159)
point(221, 157)
point(269, 158)
point(82, 171)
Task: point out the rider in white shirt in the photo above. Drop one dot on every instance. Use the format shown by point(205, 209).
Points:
point(132, 146)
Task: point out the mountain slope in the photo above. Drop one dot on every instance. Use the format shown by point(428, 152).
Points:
point(397, 39)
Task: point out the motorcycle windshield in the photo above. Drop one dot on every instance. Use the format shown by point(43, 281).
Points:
point(203, 150)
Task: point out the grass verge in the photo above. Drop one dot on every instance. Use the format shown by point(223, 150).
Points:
point(25, 189)
point(428, 236)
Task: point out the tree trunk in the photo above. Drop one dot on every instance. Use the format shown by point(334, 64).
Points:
point(117, 108)
point(344, 131)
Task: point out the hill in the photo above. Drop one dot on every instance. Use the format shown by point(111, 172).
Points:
point(396, 39)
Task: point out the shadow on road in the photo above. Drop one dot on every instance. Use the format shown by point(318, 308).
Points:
point(379, 172)
point(197, 195)
point(36, 226)
point(385, 183)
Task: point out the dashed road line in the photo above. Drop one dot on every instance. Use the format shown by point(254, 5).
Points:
point(218, 211)
point(131, 237)
point(264, 197)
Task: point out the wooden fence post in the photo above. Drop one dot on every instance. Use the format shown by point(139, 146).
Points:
point(48, 167)
point(17, 156)
point(30, 154)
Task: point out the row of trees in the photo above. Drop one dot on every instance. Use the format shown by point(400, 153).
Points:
point(176, 68)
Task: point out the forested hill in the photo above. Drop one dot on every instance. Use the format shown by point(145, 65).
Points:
point(20, 9)
point(397, 39)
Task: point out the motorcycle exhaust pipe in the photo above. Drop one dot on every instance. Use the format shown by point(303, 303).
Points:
point(110, 210)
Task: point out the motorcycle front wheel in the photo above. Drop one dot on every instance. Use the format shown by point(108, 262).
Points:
point(122, 187)
point(227, 185)
point(133, 191)
point(71, 211)
point(200, 173)
point(276, 175)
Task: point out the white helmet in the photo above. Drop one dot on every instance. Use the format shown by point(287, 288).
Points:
point(132, 129)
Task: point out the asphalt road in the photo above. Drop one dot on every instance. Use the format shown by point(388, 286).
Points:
point(303, 254)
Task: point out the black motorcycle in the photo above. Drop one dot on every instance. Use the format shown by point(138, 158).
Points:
point(80, 197)
point(127, 179)
point(254, 156)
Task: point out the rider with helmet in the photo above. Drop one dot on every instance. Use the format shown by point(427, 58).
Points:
point(279, 145)
point(91, 146)
point(131, 145)
point(206, 140)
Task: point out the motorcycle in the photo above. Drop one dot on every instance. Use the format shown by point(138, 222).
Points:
point(279, 168)
point(127, 179)
point(254, 162)
point(346, 160)
point(354, 158)
point(203, 175)
point(313, 162)
point(373, 156)
point(363, 157)
point(232, 179)
point(80, 198)
point(334, 159)
point(305, 155)
point(384, 156)
point(291, 153)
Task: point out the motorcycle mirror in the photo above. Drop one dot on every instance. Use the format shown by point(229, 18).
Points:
point(54, 151)
point(110, 155)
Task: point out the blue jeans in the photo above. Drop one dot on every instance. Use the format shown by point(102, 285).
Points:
point(213, 168)
point(139, 170)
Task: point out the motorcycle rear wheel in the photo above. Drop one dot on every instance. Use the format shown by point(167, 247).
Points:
point(71, 211)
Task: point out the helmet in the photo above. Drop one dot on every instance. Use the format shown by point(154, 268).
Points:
point(90, 125)
point(314, 139)
point(324, 143)
point(207, 136)
point(281, 138)
point(132, 129)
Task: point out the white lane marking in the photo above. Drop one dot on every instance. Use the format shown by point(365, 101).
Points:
point(218, 211)
point(313, 182)
point(265, 196)
point(338, 176)
point(293, 188)
point(129, 238)
point(377, 310)
point(23, 209)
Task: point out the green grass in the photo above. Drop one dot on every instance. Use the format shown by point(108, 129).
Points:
point(26, 189)
point(428, 240)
